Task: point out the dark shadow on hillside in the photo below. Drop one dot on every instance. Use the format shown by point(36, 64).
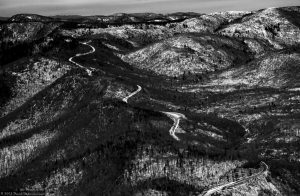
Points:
point(291, 15)
point(69, 122)
point(5, 88)
point(22, 110)
point(119, 151)
point(171, 187)
point(20, 137)
point(114, 140)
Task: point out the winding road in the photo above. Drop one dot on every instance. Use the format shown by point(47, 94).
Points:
point(173, 115)
point(239, 182)
point(89, 71)
point(176, 118)
point(132, 94)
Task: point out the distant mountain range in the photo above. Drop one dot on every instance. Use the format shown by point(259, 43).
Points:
point(115, 18)
point(3, 18)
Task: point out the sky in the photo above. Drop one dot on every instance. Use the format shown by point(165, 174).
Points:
point(106, 7)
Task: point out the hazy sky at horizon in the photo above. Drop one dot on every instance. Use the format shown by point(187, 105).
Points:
point(104, 7)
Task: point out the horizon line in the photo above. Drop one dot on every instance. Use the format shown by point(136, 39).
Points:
point(162, 13)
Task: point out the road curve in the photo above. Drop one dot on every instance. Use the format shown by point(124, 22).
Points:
point(239, 182)
point(173, 115)
point(132, 94)
point(89, 71)
point(176, 118)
